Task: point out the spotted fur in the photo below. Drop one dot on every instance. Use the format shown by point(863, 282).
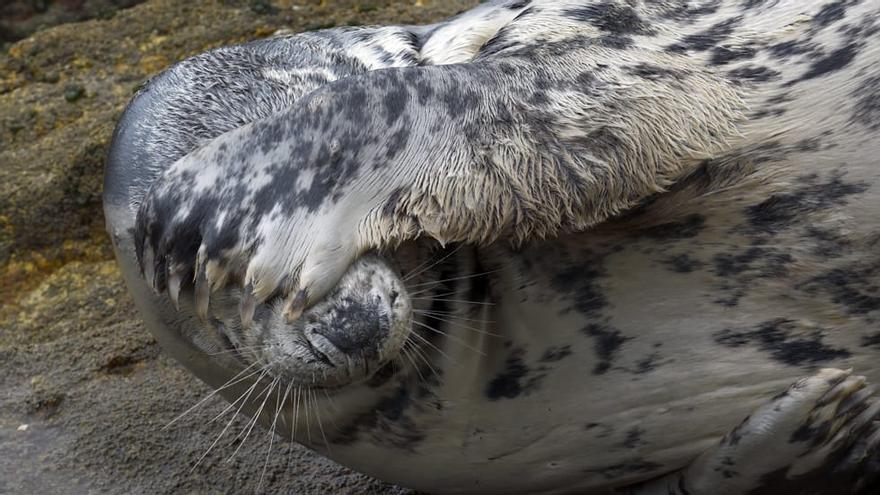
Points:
point(659, 214)
point(435, 140)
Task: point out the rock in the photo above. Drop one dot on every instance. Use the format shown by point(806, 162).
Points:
point(20, 18)
point(73, 92)
point(80, 370)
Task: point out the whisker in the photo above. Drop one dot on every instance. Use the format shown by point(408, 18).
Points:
point(296, 412)
point(426, 341)
point(463, 277)
point(238, 349)
point(231, 420)
point(242, 397)
point(431, 297)
point(451, 337)
point(308, 416)
point(424, 358)
point(266, 390)
point(432, 265)
point(449, 314)
point(481, 303)
point(272, 433)
point(330, 400)
point(293, 410)
point(318, 415)
point(232, 381)
point(431, 345)
point(406, 353)
point(462, 325)
point(334, 407)
point(254, 421)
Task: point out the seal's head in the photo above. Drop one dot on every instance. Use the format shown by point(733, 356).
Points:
point(350, 333)
point(359, 328)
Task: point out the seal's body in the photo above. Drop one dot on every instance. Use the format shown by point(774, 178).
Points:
point(665, 212)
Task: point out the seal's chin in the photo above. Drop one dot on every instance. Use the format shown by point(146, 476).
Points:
point(359, 328)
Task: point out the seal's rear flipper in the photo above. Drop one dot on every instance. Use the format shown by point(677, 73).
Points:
point(821, 436)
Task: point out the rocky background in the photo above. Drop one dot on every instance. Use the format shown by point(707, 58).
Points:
point(84, 389)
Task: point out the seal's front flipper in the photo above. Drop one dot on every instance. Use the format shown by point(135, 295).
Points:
point(519, 145)
point(821, 436)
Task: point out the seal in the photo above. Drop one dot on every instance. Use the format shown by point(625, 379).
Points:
point(578, 239)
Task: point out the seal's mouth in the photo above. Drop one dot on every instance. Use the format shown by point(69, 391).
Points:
point(359, 328)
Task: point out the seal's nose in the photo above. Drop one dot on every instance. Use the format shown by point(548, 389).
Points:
point(358, 327)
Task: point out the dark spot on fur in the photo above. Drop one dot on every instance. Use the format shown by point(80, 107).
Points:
point(654, 72)
point(579, 282)
point(395, 143)
point(834, 61)
point(423, 88)
point(512, 382)
point(742, 269)
point(707, 39)
point(788, 49)
point(539, 98)
point(786, 342)
point(395, 100)
point(607, 342)
point(556, 353)
point(633, 438)
point(866, 110)
point(871, 340)
point(610, 17)
point(387, 423)
point(723, 55)
point(507, 69)
point(683, 263)
point(726, 468)
point(753, 74)
point(854, 287)
point(616, 42)
point(686, 228)
point(507, 384)
point(830, 13)
point(500, 42)
point(728, 265)
point(520, 4)
point(782, 210)
point(647, 364)
point(828, 243)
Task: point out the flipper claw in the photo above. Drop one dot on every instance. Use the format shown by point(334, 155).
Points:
point(295, 307)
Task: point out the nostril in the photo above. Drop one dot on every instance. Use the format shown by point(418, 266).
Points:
point(393, 297)
point(355, 337)
point(357, 328)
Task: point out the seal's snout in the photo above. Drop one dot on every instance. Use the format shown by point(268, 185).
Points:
point(359, 327)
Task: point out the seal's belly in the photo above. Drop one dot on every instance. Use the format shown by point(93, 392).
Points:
point(618, 355)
